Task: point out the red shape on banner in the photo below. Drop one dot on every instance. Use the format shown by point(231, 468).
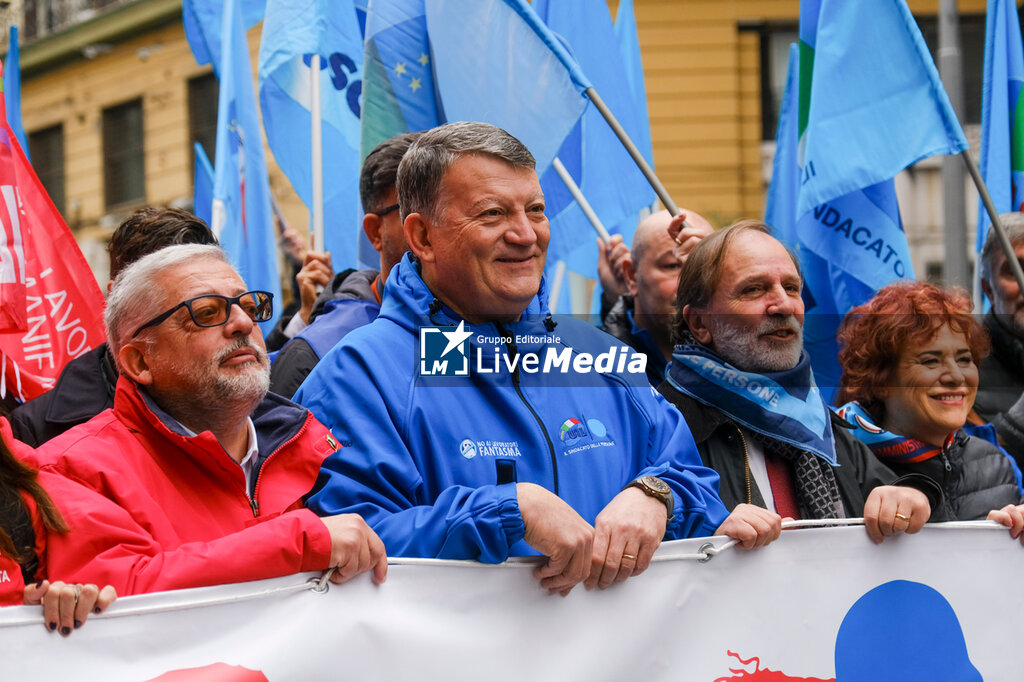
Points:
point(766, 675)
point(51, 308)
point(217, 672)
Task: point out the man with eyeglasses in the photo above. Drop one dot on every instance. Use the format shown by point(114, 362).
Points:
point(86, 384)
point(207, 468)
point(354, 296)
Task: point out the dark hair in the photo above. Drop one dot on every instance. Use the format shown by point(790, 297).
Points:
point(900, 316)
point(20, 477)
point(703, 269)
point(151, 229)
point(380, 170)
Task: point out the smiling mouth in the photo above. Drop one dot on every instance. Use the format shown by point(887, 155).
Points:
point(950, 398)
point(785, 334)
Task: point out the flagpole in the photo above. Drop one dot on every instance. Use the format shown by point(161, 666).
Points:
point(556, 286)
point(577, 194)
point(1011, 257)
point(317, 209)
point(623, 136)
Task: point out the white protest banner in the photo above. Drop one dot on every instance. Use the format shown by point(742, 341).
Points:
point(819, 604)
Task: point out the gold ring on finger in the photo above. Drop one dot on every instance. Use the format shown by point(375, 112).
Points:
point(901, 516)
point(629, 556)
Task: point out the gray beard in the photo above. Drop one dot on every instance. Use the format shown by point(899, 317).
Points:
point(216, 400)
point(746, 351)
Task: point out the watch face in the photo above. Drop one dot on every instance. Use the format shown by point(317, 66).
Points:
point(656, 484)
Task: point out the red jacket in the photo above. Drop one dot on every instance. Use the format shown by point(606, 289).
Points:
point(12, 583)
point(180, 515)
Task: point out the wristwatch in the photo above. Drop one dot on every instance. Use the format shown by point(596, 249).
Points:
point(658, 489)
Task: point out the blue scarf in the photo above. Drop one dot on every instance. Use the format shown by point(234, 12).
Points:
point(784, 406)
point(887, 446)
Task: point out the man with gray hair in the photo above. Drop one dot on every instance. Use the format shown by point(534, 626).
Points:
point(1001, 374)
point(208, 467)
point(743, 382)
point(511, 454)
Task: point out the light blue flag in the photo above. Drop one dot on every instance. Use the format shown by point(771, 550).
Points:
point(843, 257)
point(485, 60)
point(468, 60)
point(242, 218)
point(876, 102)
point(780, 213)
point(495, 61)
point(600, 164)
point(629, 48)
point(398, 80)
point(202, 188)
point(292, 31)
point(12, 91)
point(1002, 113)
point(780, 204)
point(202, 21)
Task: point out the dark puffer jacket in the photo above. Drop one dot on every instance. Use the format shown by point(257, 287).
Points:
point(722, 447)
point(975, 476)
point(1001, 374)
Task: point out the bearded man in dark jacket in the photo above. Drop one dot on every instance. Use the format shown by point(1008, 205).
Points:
point(1001, 374)
point(743, 382)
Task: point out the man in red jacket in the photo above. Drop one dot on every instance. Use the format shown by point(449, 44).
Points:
point(205, 469)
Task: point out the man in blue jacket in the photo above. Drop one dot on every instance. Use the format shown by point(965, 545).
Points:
point(475, 426)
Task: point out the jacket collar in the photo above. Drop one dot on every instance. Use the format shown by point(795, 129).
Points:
point(408, 302)
point(277, 420)
point(75, 398)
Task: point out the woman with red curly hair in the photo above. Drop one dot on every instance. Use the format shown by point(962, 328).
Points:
point(910, 358)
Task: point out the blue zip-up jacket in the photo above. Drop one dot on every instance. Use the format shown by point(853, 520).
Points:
point(431, 462)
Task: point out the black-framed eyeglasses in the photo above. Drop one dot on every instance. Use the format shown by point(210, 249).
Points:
point(213, 310)
point(387, 209)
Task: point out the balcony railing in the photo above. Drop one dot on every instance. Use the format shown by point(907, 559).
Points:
point(43, 17)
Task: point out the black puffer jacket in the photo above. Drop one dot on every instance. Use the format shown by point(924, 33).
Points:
point(1001, 374)
point(722, 446)
point(975, 476)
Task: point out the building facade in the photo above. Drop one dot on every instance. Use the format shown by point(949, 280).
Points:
point(113, 100)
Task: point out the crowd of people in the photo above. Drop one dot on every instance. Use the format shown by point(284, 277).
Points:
point(178, 454)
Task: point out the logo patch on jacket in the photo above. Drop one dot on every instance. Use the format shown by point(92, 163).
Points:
point(579, 434)
point(470, 448)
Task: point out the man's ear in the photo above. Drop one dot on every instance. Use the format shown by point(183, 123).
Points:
point(986, 289)
point(629, 275)
point(696, 322)
point(131, 360)
point(372, 224)
point(417, 236)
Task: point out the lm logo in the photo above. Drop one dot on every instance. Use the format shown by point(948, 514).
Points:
point(444, 352)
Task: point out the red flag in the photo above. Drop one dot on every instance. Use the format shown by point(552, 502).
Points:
point(51, 308)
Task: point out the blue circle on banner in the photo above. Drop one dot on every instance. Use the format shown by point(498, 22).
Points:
point(928, 646)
